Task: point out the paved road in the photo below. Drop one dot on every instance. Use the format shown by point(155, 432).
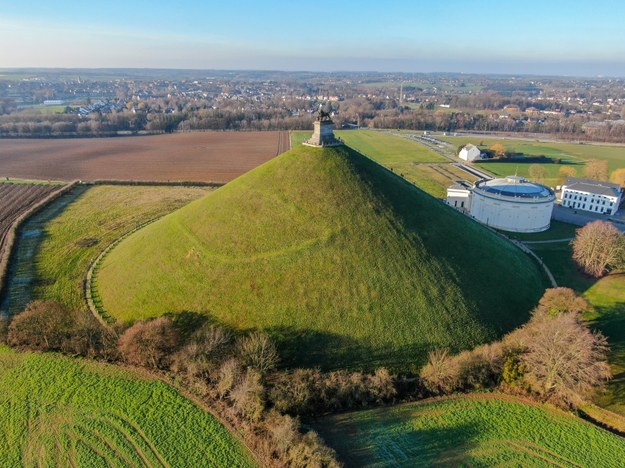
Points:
point(568, 239)
point(581, 218)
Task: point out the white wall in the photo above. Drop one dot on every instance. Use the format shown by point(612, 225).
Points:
point(470, 155)
point(516, 216)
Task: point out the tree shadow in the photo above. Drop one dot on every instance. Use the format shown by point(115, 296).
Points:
point(329, 351)
point(384, 440)
point(611, 322)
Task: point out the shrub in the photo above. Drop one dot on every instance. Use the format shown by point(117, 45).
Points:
point(309, 392)
point(513, 370)
point(558, 301)
point(284, 431)
point(42, 326)
point(312, 452)
point(297, 392)
point(481, 367)
point(382, 385)
point(149, 343)
point(4, 330)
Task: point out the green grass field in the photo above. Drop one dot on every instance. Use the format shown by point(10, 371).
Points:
point(58, 411)
point(45, 110)
point(404, 157)
point(99, 215)
point(571, 154)
point(389, 150)
point(478, 430)
point(557, 230)
point(344, 263)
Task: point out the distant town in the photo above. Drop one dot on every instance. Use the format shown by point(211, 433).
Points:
point(108, 102)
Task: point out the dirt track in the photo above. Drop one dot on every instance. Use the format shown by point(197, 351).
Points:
point(196, 157)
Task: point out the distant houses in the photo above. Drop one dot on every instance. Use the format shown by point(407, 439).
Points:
point(470, 153)
point(591, 195)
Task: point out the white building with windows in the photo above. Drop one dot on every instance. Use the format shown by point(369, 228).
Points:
point(591, 195)
point(470, 153)
point(459, 196)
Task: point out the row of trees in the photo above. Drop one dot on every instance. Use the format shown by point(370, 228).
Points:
point(236, 373)
point(171, 114)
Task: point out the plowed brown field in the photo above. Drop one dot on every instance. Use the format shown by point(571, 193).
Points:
point(194, 157)
point(15, 200)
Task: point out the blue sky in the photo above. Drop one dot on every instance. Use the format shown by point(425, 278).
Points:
point(545, 37)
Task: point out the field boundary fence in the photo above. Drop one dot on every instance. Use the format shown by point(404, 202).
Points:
point(181, 183)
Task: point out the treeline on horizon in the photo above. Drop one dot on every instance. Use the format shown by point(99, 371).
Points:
point(171, 115)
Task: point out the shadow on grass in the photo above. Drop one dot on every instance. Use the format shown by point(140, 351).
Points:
point(611, 322)
point(330, 351)
point(380, 440)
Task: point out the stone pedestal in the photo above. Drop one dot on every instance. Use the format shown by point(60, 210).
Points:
point(323, 134)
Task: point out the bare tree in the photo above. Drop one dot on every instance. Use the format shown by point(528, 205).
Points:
point(258, 351)
point(598, 247)
point(564, 360)
point(565, 172)
point(150, 343)
point(247, 396)
point(618, 177)
point(558, 301)
point(498, 149)
point(229, 375)
point(440, 374)
point(284, 430)
point(537, 172)
point(596, 169)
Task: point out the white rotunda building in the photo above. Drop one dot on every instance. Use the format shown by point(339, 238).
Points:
point(512, 204)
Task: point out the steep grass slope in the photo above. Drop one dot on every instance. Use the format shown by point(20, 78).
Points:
point(346, 264)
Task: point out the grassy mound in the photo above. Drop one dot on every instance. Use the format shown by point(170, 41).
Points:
point(469, 431)
point(345, 263)
point(56, 411)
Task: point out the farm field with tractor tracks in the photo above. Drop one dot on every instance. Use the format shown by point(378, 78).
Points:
point(187, 157)
point(60, 411)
